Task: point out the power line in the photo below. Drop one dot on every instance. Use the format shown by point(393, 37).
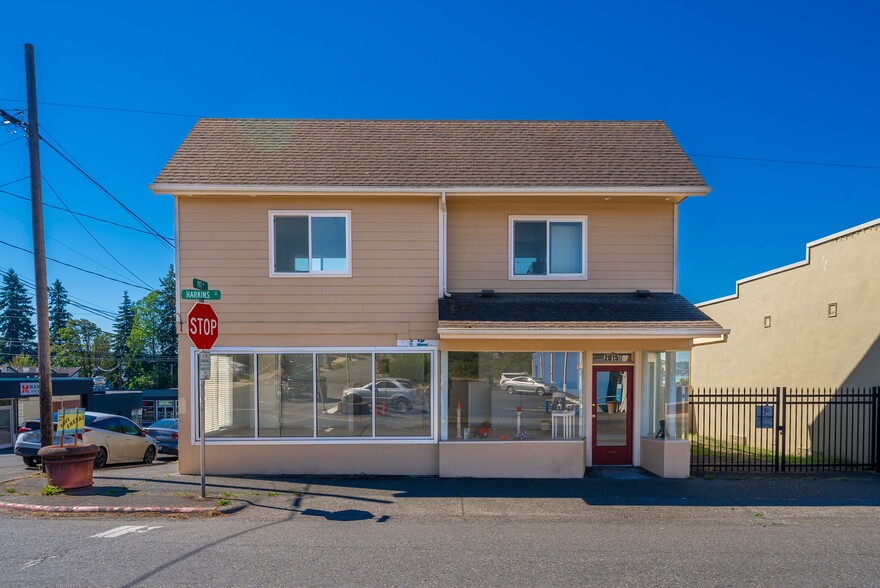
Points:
point(132, 110)
point(95, 239)
point(12, 141)
point(82, 214)
point(14, 181)
point(85, 174)
point(82, 304)
point(848, 165)
point(78, 268)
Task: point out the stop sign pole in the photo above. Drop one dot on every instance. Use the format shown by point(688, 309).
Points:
point(203, 328)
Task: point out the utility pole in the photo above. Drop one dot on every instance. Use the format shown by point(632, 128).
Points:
point(47, 434)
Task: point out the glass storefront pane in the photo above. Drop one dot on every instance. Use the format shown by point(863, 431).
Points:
point(665, 380)
point(286, 395)
point(403, 394)
point(344, 394)
point(514, 395)
point(229, 397)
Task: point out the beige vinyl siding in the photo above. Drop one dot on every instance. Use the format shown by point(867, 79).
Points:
point(391, 294)
point(630, 245)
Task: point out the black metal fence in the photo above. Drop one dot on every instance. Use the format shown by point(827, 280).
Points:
point(784, 429)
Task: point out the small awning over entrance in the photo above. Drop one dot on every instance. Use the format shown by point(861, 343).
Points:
point(605, 315)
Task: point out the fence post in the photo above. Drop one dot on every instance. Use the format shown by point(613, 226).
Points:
point(780, 428)
point(876, 428)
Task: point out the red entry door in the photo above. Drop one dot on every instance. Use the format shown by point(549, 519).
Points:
point(612, 415)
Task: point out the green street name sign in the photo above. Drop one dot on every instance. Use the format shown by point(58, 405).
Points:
point(200, 284)
point(200, 294)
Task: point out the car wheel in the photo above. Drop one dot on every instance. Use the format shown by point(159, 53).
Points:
point(30, 461)
point(510, 390)
point(101, 458)
point(150, 455)
point(540, 391)
point(402, 404)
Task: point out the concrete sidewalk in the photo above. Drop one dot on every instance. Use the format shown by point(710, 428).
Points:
point(159, 489)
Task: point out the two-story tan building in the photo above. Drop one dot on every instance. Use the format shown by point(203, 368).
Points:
point(453, 298)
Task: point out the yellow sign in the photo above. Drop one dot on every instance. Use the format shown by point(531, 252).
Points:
point(72, 422)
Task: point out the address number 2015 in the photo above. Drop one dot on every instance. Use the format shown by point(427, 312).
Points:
point(610, 357)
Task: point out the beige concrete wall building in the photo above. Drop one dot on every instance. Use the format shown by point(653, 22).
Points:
point(815, 323)
point(455, 298)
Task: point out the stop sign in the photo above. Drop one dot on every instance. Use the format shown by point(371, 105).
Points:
point(203, 326)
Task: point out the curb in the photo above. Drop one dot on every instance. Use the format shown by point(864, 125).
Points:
point(15, 507)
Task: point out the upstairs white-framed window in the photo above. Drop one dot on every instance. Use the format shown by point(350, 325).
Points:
point(306, 243)
point(548, 248)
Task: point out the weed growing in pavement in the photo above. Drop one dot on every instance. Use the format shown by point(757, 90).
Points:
point(709, 476)
point(270, 493)
point(759, 515)
point(222, 502)
point(11, 490)
point(50, 490)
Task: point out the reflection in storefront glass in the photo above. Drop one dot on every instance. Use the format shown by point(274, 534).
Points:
point(514, 395)
point(344, 394)
point(403, 394)
point(286, 395)
point(229, 396)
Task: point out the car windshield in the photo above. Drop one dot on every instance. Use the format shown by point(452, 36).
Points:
point(165, 424)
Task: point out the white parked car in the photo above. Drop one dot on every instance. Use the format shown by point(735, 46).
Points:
point(119, 440)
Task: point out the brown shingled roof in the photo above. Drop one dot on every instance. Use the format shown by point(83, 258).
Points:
point(431, 154)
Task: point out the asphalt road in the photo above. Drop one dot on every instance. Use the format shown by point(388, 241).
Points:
point(724, 531)
point(613, 546)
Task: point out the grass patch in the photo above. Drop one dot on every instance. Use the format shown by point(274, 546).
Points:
point(223, 502)
point(50, 490)
point(709, 476)
point(729, 452)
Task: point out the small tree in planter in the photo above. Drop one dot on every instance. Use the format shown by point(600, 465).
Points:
point(69, 466)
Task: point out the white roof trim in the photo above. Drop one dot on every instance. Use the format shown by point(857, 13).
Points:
point(525, 333)
point(194, 189)
point(791, 266)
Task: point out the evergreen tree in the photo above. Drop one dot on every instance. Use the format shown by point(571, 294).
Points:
point(167, 307)
point(58, 314)
point(17, 331)
point(122, 328)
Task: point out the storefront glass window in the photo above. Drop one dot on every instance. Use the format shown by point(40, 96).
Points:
point(345, 394)
point(286, 395)
point(665, 381)
point(403, 394)
point(229, 397)
point(514, 396)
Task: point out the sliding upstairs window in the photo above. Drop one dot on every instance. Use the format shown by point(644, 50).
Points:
point(548, 248)
point(310, 243)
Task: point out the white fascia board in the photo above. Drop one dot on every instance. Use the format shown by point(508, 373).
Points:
point(451, 333)
point(216, 189)
point(791, 266)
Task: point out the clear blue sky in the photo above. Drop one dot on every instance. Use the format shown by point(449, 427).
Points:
point(781, 80)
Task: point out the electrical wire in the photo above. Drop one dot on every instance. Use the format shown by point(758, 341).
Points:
point(90, 234)
point(12, 141)
point(70, 265)
point(14, 181)
point(85, 174)
point(82, 214)
point(131, 110)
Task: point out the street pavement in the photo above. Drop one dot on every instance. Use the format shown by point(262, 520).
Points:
point(612, 528)
point(159, 486)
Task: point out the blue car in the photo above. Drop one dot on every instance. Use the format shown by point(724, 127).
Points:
point(165, 434)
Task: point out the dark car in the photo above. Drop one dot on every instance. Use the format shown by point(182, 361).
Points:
point(165, 434)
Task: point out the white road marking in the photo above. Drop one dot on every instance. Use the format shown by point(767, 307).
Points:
point(123, 530)
point(32, 562)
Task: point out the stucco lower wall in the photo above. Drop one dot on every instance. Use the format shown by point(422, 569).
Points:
point(333, 459)
point(512, 459)
point(667, 459)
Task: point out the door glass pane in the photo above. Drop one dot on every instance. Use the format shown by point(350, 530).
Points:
point(611, 408)
point(328, 244)
point(5, 426)
point(291, 244)
point(344, 394)
point(566, 248)
point(530, 248)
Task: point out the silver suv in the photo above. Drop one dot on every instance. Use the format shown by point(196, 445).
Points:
point(397, 393)
point(528, 385)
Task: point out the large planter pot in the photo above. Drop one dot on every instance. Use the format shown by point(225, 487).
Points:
point(69, 467)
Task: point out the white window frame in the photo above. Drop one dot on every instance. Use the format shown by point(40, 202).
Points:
point(314, 440)
point(310, 214)
point(547, 219)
